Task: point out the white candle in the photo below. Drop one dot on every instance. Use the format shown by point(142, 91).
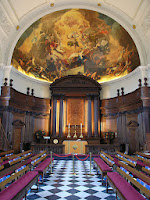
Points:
point(81, 126)
point(69, 125)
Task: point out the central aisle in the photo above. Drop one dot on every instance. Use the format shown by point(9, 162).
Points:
point(63, 185)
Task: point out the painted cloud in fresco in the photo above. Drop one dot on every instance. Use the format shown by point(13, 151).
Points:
point(75, 41)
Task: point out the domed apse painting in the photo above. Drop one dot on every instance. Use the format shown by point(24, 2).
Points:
point(75, 41)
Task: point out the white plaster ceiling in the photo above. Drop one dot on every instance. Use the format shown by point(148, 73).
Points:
point(22, 13)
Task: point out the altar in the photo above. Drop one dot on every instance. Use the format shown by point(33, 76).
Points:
point(75, 146)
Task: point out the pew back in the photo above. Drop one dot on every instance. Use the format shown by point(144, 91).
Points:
point(125, 160)
point(142, 154)
point(108, 156)
point(146, 170)
point(106, 160)
point(13, 177)
point(127, 156)
point(145, 160)
point(136, 173)
point(12, 168)
point(143, 189)
point(6, 152)
point(18, 155)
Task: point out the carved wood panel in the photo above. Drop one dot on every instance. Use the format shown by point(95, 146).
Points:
point(75, 111)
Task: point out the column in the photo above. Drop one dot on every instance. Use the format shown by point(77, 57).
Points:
point(89, 120)
point(61, 117)
point(54, 116)
point(96, 111)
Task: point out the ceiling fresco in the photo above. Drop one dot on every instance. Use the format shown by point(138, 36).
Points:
point(75, 41)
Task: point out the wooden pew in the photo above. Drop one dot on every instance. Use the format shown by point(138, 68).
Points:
point(107, 155)
point(126, 156)
point(125, 160)
point(102, 167)
point(18, 155)
point(13, 177)
point(145, 160)
point(43, 167)
point(143, 189)
point(6, 152)
point(18, 189)
point(122, 188)
point(142, 154)
point(110, 163)
point(139, 163)
point(21, 156)
point(136, 173)
point(12, 168)
point(40, 156)
point(146, 170)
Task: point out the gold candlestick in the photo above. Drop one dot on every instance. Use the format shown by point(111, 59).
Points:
point(69, 136)
point(75, 134)
point(81, 136)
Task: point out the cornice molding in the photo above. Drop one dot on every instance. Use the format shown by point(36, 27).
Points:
point(135, 111)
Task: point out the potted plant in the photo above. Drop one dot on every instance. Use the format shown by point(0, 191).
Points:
point(39, 135)
point(109, 135)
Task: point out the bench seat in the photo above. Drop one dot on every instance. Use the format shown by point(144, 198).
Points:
point(103, 166)
point(43, 166)
point(123, 188)
point(19, 188)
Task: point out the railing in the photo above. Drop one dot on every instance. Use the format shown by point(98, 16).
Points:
point(4, 143)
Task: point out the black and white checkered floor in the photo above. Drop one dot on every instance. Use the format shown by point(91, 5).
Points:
point(63, 185)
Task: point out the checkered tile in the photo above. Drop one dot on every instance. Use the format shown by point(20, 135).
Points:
point(64, 185)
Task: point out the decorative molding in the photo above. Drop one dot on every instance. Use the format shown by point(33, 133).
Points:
point(75, 81)
point(16, 110)
point(146, 21)
point(135, 111)
point(132, 124)
point(18, 123)
point(4, 22)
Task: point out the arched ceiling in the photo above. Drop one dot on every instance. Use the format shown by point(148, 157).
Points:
point(17, 15)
